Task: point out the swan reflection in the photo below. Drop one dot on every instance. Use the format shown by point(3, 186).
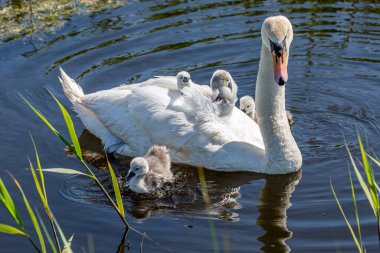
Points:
point(184, 197)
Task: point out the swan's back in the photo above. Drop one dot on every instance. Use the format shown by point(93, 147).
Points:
point(129, 120)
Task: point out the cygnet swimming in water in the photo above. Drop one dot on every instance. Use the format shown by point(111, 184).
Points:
point(150, 172)
point(247, 105)
point(224, 91)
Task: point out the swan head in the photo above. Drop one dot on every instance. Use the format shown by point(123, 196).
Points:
point(277, 34)
point(138, 168)
point(223, 86)
point(183, 79)
point(247, 105)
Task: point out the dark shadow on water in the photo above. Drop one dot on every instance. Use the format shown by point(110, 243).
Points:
point(184, 197)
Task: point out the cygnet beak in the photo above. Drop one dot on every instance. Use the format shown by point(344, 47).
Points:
point(130, 175)
point(244, 110)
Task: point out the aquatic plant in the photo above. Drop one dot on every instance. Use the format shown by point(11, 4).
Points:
point(8, 203)
point(39, 181)
point(75, 148)
point(21, 18)
point(369, 187)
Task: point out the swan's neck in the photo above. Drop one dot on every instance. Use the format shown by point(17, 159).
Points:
point(281, 150)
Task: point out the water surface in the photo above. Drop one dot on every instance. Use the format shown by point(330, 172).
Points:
point(332, 92)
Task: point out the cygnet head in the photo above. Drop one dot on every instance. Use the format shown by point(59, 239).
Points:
point(183, 79)
point(277, 34)
point(223, 86)
point(247, 105)
point(139, 167)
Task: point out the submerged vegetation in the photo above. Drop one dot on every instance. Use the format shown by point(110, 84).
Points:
point(28, 17)
point(369, 187)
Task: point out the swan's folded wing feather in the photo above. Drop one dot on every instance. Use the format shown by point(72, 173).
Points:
point(142, 117)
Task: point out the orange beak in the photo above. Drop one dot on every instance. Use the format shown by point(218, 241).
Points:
point(280, 68)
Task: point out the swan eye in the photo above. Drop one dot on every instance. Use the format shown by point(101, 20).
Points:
point(277, 47)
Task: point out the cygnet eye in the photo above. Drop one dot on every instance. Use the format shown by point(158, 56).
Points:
point(248, 106)
point(137, 168)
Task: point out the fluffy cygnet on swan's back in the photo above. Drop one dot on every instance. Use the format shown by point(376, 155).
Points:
point(183, 80)
point(224, 91)
point(150, 172)
point(247, 105)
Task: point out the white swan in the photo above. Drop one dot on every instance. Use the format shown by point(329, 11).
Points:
point(130, 120)
point(148, 173)
point(175, 83)
point(247, 105)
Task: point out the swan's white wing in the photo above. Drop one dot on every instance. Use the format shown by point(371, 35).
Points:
point(144, 116)
point(168, 82)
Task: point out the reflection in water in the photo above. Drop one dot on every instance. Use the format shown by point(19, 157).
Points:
point(184, 197)
point(274, 201)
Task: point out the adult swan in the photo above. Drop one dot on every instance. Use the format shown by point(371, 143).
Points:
point(132, 118)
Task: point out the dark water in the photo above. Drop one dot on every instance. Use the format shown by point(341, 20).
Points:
point(333, 91)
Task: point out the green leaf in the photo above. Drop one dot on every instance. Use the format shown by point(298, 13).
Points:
point(42, 117)
point(46, 232)
point(38, 186)
point(66, 243)
point(116, 189)
point(42, 178)
point(70, 127)
point(69, 242)
point(360, 179)
point(66, 171)
point(370, 179)
point(32, 216)
point(356, 210)
point(11, 230)
point(378, 164)
point(6, 199)
point(345, 218)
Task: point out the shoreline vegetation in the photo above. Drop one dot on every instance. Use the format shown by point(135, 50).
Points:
point(370, 188)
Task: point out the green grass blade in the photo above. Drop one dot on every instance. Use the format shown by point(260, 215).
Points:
point(370, 179)
point(11, 230)
point(119, 200)
point(207, 201)
point(50, 241)
point(67, 245)
point(66, 171)
point(32, 216)
point(42, 178)
point(70, 127)
point(6, 199)
point(360, 179)
point(43, 118)
point(356, 211)
point(378, 164)
point(345, 218)
point(38, 186)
